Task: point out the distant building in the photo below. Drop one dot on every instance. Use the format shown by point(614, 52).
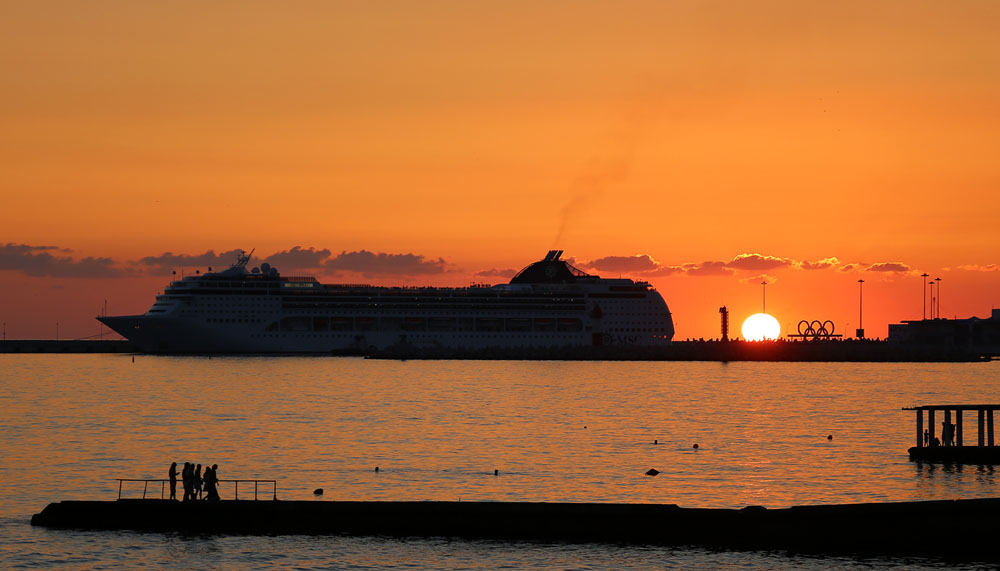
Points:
point(973, 334)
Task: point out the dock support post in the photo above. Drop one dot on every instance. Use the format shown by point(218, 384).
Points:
point(982, 426)
point(930, 424)
point(958, 427)
point(920, 428)
point(947, 436)
point(989, 427)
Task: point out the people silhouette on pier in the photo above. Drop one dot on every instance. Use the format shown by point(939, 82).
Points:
point(211, 483)
point(187, 478)
point(197, 483)
point(172, 474)
point(947, 434)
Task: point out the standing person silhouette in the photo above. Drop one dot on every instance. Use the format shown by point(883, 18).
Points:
point(187, 477)
point(197, 481)
point(172, 474)
point(211, 484)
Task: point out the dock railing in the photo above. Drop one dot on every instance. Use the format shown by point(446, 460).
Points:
point(164, 482)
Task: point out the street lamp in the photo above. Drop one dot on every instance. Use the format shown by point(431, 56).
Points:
point(860, 333)
point(931, 283)
point(763, 308)
point(938, 280)
point(923, 315)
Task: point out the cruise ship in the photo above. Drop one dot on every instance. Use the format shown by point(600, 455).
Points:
point(548, 304)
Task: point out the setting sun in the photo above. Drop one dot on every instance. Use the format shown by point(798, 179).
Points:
point(761, 326)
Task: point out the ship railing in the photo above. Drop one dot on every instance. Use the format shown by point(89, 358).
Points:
point(257, 487)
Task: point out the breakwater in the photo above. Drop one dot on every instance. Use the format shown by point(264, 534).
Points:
point(912, 528)
point(871, 351)
point(66, 346)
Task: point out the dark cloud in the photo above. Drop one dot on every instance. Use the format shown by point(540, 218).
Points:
point(889, 267)
point(625, 264)
point(823, 264)
point(664, 271)
point(371, 264)
point(708, 269)
point(757, 262)
point(848, 268)
point(495, 273)
point(757, 279)
point(298, 258)
point(37, 261)
point(169, 261)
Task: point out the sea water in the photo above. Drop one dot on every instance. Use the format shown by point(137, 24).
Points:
point(769, 434)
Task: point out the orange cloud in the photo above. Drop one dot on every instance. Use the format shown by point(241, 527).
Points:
point(980, 268)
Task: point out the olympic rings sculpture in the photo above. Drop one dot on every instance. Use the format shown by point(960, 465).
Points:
point(816, 329)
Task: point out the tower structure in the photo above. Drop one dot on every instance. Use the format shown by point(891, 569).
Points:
point(724, 316)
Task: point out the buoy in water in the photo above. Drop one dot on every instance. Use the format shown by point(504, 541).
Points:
point(829, 437)
point(376, 468)
point(496, 472)
point(695, 445)
point(318, 491)
point(652, 472)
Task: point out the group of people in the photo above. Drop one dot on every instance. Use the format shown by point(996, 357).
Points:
point(197, 485)
point(947, 436)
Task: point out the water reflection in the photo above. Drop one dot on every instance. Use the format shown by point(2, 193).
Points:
point(438, 430)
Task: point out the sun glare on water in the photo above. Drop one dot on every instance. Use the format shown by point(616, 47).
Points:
point(760, 327)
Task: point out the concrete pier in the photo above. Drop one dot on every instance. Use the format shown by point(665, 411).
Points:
point(912, 528)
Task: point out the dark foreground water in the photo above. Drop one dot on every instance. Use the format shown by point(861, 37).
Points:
point(556, 431)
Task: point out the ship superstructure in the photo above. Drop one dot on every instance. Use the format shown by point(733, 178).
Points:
point(549, 303)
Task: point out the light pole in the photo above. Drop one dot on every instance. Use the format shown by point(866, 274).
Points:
point(931, 283)
point(923, 315)
point(938, 280)
point(860, 333)
point(763, 308)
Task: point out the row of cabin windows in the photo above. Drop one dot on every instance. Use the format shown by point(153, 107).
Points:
point(300, 335)
point(497, 324)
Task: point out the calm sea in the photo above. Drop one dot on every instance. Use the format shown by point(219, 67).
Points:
point(437, 430)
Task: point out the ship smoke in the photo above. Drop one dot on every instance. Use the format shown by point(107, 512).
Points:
point(602, 170)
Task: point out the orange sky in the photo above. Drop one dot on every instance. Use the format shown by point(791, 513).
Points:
point(480, 134)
